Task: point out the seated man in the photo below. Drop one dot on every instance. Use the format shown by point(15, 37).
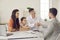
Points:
point(33, 20)
point(53, 28)
point(23, 24)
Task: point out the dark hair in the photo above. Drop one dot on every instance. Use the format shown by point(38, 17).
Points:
point(16, 24)
point(53, 11)
point(30, 9)
point(23, 18)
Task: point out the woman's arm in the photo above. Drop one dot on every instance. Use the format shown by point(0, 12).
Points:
point(10, 25)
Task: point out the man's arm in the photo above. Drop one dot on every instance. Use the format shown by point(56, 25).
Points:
point(48, 30)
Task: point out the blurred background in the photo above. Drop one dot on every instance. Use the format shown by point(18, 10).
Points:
point(41, 7)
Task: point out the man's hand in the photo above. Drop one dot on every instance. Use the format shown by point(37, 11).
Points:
point(37, 24)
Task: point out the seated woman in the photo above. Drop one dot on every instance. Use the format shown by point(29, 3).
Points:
point(23, 24)
point(13, 24)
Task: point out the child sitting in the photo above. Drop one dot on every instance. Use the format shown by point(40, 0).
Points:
point(23, 24)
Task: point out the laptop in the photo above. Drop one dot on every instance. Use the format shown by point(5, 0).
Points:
point(3, 30)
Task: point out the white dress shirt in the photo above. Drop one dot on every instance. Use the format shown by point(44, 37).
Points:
point(31, 22)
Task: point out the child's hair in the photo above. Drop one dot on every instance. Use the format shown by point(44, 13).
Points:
point(23, 18)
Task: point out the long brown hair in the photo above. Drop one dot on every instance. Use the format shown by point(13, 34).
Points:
point(16, 24)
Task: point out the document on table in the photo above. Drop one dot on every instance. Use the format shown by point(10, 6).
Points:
point(25, 35)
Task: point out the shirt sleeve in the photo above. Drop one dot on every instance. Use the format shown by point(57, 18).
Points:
point(49, 29)
point(30, 24)
point(10, 25)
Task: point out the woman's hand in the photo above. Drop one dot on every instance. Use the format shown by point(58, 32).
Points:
point(13, 30)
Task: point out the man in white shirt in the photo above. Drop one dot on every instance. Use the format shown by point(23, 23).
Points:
point(33, 20)
point(53, 28)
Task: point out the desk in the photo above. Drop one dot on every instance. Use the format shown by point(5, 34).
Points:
point(26, 35)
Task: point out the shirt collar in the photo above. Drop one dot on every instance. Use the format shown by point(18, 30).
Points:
point(52, 19)
point(32, 18)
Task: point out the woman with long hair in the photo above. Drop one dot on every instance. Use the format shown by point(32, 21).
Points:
point(13, 24)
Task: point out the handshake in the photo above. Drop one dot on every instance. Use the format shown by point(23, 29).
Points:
point(37, 24)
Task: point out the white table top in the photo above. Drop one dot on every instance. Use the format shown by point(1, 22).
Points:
point(25, 34)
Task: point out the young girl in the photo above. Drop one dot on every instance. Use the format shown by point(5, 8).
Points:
point(23, 24)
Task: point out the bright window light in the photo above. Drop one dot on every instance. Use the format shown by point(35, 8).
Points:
point(44, 9)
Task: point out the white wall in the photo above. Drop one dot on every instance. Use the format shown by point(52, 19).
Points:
point(58, 7)
point(6, 7)
point(56, 4)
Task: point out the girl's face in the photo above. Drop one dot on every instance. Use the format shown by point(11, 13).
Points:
point(17, 14)
point(24, 21)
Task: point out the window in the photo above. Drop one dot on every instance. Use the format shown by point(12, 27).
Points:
point(44, 9)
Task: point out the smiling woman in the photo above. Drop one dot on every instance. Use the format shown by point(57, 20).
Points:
point(13, 24)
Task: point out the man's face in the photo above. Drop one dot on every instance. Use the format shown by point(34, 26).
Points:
point(50, 15)
point(32, 13)
point(24, 21)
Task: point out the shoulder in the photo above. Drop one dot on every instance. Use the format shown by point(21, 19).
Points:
point(10, 20)
point(10, 23)
point(28, 17)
